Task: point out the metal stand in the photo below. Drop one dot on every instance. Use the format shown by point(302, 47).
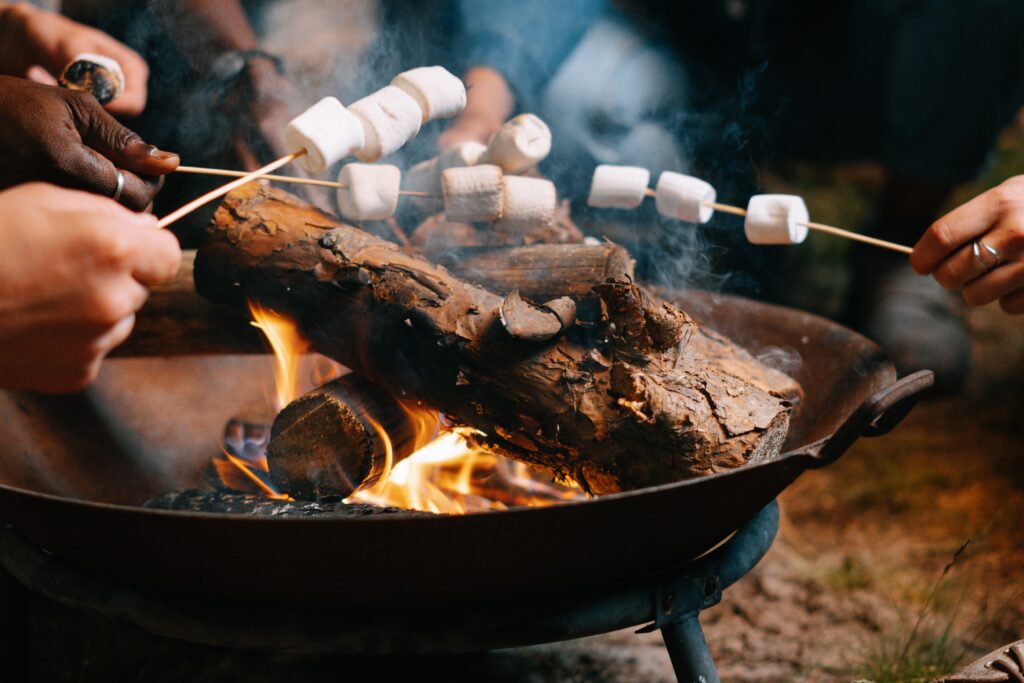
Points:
point(670, 601)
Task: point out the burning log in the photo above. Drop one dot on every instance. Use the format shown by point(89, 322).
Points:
point(650, 397)
point(176, 321)
point(326, 444)
point(196, 500)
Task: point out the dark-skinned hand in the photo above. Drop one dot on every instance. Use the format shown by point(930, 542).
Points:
point(66, 138)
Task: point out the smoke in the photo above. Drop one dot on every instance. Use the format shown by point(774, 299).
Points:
point(783, 359)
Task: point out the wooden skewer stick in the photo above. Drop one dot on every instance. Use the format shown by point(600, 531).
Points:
point(820, 227)
point(224, 189)
point(200, 170)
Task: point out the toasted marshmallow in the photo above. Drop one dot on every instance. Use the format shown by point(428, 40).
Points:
point(519, 145)
point(327, 131)
point(474, 194)
point(426, 175)
point(439, 93)
point(618, 187)
point(97, 74)
point(391, 117)
point(370, 191)
point(684, 197)
point(776, 219)
point(527, 203)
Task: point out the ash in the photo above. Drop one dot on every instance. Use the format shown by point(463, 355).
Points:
point(197, 500)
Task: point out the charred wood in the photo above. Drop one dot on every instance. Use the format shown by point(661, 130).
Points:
point(645, 404)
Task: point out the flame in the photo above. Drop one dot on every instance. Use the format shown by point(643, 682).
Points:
point(288, 346)
point(446, 473)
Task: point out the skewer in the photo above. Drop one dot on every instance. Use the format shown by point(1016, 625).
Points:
point(200, 170)
point(820, 227)
point(224, 189)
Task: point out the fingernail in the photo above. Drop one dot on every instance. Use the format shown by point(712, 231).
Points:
point(162, 155)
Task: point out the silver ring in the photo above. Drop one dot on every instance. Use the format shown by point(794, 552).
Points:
point(980, 250)
point(120, 185)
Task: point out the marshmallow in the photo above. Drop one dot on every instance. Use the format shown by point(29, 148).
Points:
point(519, 145)
point(776, 219)
point(97, 74)
point(370, 192)
point(391, 117)
point(426, 175)
point(327, 131)
point(684, 197)
point(527, 203)
point(618, 187)
point(439, 93)
point(473, 194)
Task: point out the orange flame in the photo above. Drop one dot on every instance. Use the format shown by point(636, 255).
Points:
point(446, 473)
point(288, 346)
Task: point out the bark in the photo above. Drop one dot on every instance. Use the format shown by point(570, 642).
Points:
point(325, 444)
point(646, 397)
point(176, 321)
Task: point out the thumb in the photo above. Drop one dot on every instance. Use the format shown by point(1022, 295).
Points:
point(103, 133)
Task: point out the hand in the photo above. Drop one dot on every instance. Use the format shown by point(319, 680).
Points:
point(73, 271)
point(34, 37)
point(65, 137)
point(946, 249)
point(489, 102)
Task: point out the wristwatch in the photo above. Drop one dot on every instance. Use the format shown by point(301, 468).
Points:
point(229, 65)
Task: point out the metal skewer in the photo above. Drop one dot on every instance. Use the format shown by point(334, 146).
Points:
point(199, 170)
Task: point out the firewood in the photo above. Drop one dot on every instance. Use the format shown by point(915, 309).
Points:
point(638, 402)
point(325, 443)
point(176, 321)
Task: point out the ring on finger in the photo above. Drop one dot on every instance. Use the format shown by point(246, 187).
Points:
point(120, 185)
point(987, 256)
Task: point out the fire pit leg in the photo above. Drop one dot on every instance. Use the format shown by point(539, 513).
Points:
point(14, 628)
point(688, 650)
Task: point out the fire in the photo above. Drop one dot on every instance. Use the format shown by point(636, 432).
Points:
point(447, 472)
point(288, 346)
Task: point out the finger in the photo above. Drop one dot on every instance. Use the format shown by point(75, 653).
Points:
point(1013, 303)
point(113, 337)
point(86, 169)
point(954, 230)
point(1007, 238)
point(995, 285)
point(157, 257)
point(101, 131)
point(40, 75)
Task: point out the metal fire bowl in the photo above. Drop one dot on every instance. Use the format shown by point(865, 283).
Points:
point(74, 470)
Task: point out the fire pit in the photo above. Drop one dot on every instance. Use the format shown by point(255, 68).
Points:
point(76, 469)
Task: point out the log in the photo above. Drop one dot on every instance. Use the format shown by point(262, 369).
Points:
point(646, 397)
point(325, 444)
point(176, 321)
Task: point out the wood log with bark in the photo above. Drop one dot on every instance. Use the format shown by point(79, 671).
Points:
point(647, 396)
point(176, 321)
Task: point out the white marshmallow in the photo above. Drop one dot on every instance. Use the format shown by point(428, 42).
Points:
point(776, 219)
point(440, 93)
point(426, 175)
point(684, 197)
point(527, 203)
point(108, 63)
point(519, 145)
point(391, 117)
point(618, 187)
point(327, 131)
point(370, 192)
point(473, 194)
